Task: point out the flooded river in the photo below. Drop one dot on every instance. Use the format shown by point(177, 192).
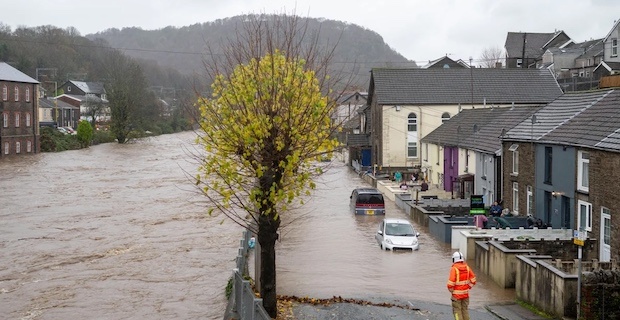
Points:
point(117, 232)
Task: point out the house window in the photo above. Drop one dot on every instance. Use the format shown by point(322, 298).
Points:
point(583, 176)
point(68, 88)
point(519, 63)
point(5, 120)
point(484, 167)
point(614, 47)
point(5, 93)
point(16, 91)
point(548, 164)
point(18, 147)
point(17, 120)
point(445, 117)
point(530, 200)
point(515, 158)
point(584, 219)
point(606, 226)
point(412, 149)
point(28, 124)
point(515, 198)
point(6, 148)
point(27, 98)
point(412, 123)
point(28, 146)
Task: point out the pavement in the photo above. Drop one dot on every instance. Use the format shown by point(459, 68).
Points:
point(401, 310)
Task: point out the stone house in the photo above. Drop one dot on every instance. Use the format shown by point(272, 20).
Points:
point(562, 166)
point(19, 131)
point(89, 97)
point(405, 105)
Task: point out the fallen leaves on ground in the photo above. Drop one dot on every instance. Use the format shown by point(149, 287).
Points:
point(285, 304)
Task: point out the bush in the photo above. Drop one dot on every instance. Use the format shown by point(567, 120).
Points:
point(103, 136)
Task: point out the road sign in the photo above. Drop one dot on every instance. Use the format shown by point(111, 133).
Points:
point(579, 237)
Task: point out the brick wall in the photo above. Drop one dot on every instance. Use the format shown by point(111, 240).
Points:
point(523, 178)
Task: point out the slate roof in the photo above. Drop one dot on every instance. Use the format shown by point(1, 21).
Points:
point(89, 87)
point(584, 119)
point(93, 99)
point(408, 86)
point(8, 73)
point(487, 138)
point(51, 103)
point(490, 122)
point(534, 46)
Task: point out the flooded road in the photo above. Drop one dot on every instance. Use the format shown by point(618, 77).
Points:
point(327, 251)
point(116, 232)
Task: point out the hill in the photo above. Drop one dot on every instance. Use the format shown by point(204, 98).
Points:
point(183, 49)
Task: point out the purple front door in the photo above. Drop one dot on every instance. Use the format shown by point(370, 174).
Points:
point(450, 166)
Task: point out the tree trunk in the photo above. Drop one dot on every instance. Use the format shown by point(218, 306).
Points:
point(267, 236)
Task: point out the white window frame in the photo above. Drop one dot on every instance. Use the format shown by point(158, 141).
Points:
point(28, 146)
point(5, 120)
point(412, 120)
point(515, 158)
point(530, 200)
point(27, 97)
point(515, 198)
point(16, 92)
point(583, 180)
point(28, 120)
point(412, 144)
point(445, 117)
point(587, 224)
point(519, 63)
point(6, 148)
point(5, 93)
point(614, 47)
point(18, 147)
point(17, 118)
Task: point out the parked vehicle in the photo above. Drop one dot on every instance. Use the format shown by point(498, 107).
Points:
point(394, 234)
point(367, 201)
point(62, 130)
point(70, 130)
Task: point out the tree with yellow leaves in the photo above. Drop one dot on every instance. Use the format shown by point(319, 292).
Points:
point(264, 128)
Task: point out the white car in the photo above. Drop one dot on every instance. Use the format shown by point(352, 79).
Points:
point(394, 234)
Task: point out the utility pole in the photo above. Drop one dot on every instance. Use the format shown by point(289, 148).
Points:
point(523, 50)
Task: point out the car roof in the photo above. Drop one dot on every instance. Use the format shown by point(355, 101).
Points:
point(367, 190)
point(394, 220)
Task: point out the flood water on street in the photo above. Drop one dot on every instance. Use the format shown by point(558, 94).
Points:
point(328, 252)
point(116, 232)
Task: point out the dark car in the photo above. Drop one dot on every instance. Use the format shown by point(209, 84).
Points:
point(367, 201)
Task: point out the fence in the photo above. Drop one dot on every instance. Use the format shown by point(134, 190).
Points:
point(243, 304)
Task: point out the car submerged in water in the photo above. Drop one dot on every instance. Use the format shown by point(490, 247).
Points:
point(367, 201)
point(397, 234)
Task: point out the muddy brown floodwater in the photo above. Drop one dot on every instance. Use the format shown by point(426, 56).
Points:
point(117, 232)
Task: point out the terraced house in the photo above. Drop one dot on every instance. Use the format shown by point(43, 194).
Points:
point(19, 131)
point(562, 165)
point(405, 105)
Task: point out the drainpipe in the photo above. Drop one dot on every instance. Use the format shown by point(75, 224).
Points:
point(420, 138)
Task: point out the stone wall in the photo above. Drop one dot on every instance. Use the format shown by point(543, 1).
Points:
point(600, 295)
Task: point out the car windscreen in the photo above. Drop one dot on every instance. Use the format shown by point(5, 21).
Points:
point(370, 198)
point(399, 229)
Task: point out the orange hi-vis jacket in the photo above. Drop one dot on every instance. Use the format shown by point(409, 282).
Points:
point(462, 278)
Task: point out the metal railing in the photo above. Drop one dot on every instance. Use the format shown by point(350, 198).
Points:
point(243, 303)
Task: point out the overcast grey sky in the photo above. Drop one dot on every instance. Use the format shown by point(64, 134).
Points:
point(420, 30)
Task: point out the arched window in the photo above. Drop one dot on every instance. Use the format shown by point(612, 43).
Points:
point(5, 93)
point(412, 123)
point(445, 117)
point(16, 93)
point(27, 98)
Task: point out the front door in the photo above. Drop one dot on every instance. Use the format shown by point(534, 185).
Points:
point(450, 167)
point(605, 254)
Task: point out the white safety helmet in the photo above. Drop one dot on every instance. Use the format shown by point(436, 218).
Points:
point(457, 257)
